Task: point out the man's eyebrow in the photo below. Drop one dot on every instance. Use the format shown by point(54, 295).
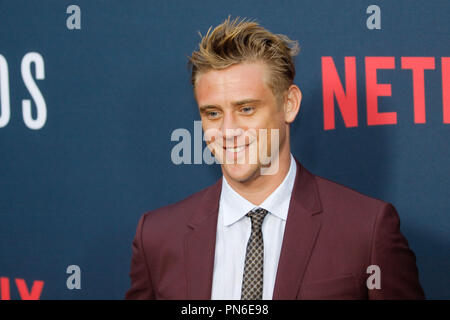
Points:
point(246, 101)
point(236, 103)
point(205, 107)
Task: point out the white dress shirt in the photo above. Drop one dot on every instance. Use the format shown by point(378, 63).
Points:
point(233, 233)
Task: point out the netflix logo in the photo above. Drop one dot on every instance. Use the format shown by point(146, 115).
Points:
point(346, 96)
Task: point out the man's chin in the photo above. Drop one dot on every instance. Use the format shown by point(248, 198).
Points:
point(241, 172)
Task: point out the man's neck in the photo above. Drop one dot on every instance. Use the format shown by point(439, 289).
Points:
point(258, 189)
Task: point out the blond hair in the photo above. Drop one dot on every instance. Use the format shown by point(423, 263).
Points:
point(236, 41)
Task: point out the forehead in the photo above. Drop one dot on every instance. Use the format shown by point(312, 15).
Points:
point(239, 81)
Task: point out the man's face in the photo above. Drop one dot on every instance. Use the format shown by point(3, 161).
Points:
point(235, 103)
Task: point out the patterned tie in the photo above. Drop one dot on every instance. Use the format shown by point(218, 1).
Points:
point(252, 281)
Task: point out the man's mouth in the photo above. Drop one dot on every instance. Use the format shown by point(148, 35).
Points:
point(235, 149)
point(235, 152)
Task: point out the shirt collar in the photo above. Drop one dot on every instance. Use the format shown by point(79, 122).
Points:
point(277, 203)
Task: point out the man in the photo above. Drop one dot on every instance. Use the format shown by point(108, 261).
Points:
point(268, 229)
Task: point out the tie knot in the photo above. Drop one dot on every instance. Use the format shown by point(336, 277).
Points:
point(257, 217)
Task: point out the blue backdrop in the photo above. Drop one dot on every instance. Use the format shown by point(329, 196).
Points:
point(72, 191)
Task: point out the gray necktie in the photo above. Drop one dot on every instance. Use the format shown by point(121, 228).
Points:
point(252, 281)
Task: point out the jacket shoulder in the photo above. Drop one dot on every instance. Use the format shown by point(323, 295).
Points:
point(180, 211)
point(336, 194)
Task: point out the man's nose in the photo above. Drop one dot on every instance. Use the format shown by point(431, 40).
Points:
point(230, 129)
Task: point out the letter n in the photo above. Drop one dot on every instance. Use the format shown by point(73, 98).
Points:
point(332, 87)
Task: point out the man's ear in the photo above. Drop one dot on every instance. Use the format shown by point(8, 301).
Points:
point(292, 103)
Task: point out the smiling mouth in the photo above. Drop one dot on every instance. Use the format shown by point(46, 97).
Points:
point(236, 149)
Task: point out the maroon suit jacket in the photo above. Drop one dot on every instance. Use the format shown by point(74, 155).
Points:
point(332, 235)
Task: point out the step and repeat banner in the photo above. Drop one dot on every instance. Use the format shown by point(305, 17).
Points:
point(96, 99)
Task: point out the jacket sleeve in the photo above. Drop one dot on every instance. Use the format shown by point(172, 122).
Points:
point(141, 284)
point(399, 277)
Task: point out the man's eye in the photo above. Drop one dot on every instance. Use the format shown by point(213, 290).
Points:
point(212, 114)
point(247, 109)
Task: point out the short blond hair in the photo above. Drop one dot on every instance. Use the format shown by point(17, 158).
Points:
point(239, 40)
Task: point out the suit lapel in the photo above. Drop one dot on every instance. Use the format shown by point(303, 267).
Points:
point(200, 242)
point(301, 231)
